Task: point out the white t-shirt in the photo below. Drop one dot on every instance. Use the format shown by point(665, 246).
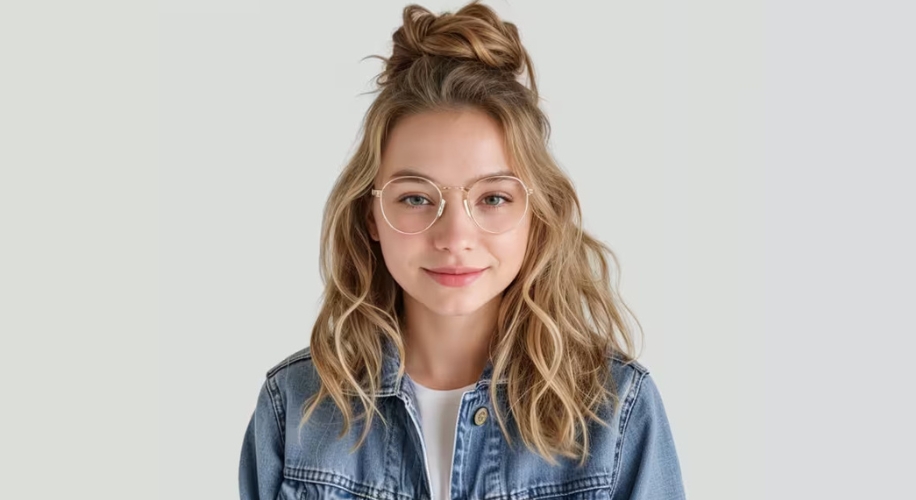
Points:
point(439, 416)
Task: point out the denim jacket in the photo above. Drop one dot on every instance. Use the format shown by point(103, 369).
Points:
point(633, 458)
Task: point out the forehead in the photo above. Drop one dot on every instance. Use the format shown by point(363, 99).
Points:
point(449, 147)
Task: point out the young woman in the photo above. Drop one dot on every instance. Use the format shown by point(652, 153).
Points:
point(470, 344)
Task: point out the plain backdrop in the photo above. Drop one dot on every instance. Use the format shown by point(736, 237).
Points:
point(164, 167)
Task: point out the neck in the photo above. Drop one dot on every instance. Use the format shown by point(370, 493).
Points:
point(447, 352)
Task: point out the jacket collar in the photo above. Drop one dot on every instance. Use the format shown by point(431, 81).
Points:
point(391, 385)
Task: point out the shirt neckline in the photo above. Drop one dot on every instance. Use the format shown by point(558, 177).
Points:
point(442, 392)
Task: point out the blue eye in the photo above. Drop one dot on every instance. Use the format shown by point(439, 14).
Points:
point(491, 197)
point(414, 197)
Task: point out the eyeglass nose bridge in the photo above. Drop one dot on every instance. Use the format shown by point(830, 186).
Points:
point(464, 201)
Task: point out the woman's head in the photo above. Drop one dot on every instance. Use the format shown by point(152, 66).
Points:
point(451, 108)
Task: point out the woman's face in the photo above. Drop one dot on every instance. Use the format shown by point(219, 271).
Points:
point(451, 148)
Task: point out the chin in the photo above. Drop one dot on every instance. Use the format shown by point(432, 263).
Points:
point(445, 305)
point(453, 307)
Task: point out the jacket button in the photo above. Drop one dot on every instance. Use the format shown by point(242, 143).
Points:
point(480, 416)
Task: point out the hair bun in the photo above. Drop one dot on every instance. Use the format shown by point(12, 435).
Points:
point(474, 32)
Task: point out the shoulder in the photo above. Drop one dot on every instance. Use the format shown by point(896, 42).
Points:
point(633, 385)
point(293, 379)
point(626, 375)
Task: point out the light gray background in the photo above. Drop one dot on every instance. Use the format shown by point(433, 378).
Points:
point(164, 168)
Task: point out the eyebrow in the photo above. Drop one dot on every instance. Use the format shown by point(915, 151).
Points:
point(408, 171)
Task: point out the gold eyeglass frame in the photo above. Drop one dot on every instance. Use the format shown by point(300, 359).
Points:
point(377, 193)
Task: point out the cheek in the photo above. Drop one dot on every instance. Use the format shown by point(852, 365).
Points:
point(397, 249)
point(511, 251)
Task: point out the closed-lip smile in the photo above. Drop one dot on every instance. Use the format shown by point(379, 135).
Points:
point(455, 276)
point(456, 270)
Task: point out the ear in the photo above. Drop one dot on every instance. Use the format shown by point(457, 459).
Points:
point(371, 225)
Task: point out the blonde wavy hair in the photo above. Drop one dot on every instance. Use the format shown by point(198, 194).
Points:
point(561, 318)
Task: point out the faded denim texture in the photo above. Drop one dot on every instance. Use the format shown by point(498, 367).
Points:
point(634, 458)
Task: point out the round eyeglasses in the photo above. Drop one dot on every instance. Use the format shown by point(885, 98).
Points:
point(413, 204)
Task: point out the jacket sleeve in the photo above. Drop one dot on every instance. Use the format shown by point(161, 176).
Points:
point(261, 463)
point(648, 467)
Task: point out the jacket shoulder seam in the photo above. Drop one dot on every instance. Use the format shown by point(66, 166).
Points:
point(300, 355)
point(635, 365)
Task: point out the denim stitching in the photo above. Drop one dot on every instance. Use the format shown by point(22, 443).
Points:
point(631, 363)
point(327, 478)
point(590, 483)
point(278, 407)
point(626, 411)
point(390, 477)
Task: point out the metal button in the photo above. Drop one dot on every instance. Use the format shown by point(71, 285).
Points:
point(480, 416)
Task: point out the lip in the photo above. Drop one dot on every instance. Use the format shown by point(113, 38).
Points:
point(456, 270)
point(455, 276)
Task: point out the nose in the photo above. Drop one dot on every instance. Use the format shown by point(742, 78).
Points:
point(455, 230)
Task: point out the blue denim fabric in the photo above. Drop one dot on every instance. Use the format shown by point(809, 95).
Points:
point(633, 459)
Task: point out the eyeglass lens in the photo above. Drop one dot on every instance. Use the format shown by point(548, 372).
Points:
point(497, 204)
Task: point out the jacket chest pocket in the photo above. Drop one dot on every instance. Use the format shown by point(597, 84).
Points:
point(331, 486)
point(595, 487)
point(594, 494)
point(318, 491)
